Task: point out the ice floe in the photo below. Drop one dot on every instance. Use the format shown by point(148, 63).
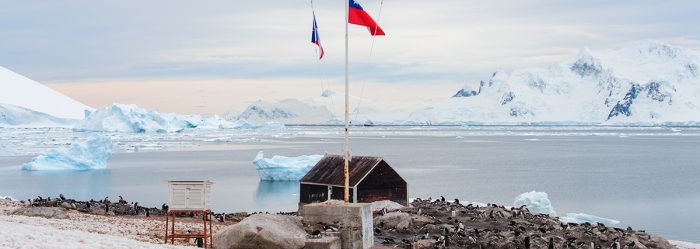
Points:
point(91, 154)
point(539, 203)
point(583, 218)
point(282, 168)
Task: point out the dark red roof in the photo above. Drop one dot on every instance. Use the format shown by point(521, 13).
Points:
point(329, 171)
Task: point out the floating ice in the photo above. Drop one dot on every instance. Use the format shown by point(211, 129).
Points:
point(583, 218)
point(282, 168)
point(536, 202)
point(91, 154)
point(243, 124)
point(8, 198)
point(133, 119)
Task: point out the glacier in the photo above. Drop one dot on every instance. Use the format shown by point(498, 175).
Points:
point(282, 168)
point(536, 202)
point(16, 116)
point(646, 83)
point(134, 119)
point(21, 91)
point(88, 155)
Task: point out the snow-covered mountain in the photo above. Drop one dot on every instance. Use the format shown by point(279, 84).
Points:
point(649, 82)
point(21, 91)
point(290, 111)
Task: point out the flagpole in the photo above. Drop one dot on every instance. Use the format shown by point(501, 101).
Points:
point(346, 145)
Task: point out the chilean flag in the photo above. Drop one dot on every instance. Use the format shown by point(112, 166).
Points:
point(315, 39)
point(357, 15)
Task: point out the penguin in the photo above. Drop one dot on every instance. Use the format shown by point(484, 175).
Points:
point(551, 243)
point(148, 212)
point(165, 207)
point(63, 198)
point(527, 242)
point(442, 198)
point(457, 201)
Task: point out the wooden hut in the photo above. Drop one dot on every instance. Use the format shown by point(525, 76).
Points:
point(371, 179)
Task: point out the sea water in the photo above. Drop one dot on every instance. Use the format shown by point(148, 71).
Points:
point(644, 177)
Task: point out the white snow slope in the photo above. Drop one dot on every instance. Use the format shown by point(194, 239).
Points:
point(21, 91)
point(648, 83)
point(15, 116)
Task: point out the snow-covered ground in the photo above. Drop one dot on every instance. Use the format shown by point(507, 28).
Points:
point(83, 231)
point(21, 91)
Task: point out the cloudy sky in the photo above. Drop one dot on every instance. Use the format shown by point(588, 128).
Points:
point(210, 56)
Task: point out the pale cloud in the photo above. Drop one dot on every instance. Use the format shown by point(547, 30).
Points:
point(444, 42)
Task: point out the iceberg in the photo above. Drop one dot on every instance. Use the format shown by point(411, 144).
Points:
point(8, 198)
point(583, 218)
point(134, 119)
point(282, 168)
point(536, 202)
point(91, 154)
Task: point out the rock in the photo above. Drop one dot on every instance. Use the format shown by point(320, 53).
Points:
point(389, 205)
point(424, 244)
point(263, 231)
point(419, 220)
point(398, 220)
point(46, 212)
point(67, 205)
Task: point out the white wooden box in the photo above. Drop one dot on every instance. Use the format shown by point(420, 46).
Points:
point(189, 195)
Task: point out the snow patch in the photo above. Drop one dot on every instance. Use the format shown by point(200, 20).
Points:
point(91, 154)
point(536, 202)
point(282, 168)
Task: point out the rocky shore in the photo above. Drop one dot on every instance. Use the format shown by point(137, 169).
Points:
point(423, 224)
point(441, 224)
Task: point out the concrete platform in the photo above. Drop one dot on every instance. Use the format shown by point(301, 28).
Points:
point(323, 243)
point(353, 219)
